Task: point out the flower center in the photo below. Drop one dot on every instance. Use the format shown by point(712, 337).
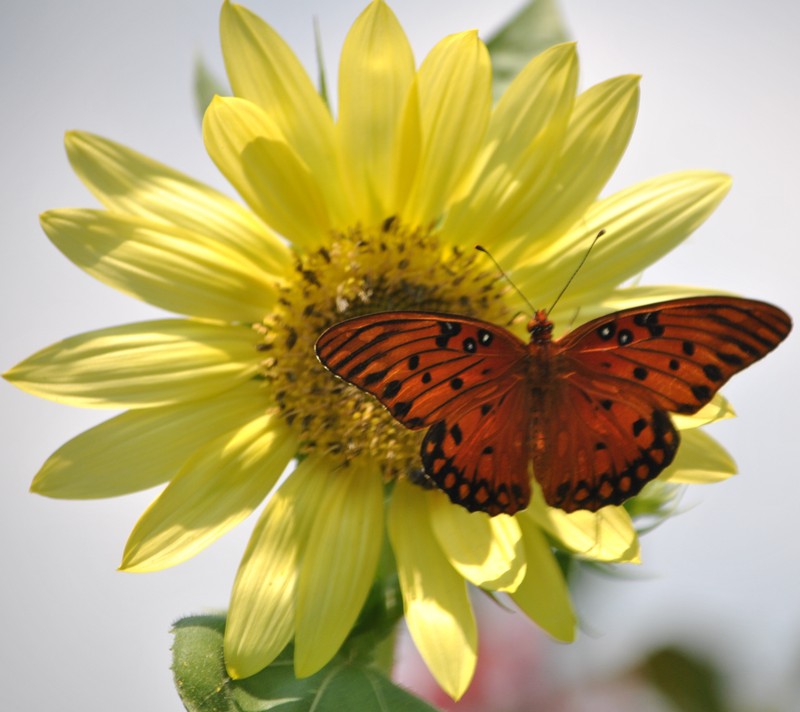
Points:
point(364, 271)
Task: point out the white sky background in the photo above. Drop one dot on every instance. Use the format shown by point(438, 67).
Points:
point(720, 90)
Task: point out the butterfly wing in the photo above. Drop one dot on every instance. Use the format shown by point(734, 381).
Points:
point(598, 446)
point(677, 354)
point(617, 376)
point(480, 457)
point(462, 377)
point(422, 366)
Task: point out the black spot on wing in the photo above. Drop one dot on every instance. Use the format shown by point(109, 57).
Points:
point(401, 409)
point(391, 389)
point(607, 331)
point(702, 393)
point(371, 379)
point(649, 320)
point(730, 359)
point(624, 337)
point(712, 372)
point(485, 337)
point(448, 329)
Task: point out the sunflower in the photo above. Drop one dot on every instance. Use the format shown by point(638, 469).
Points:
point(377, 209)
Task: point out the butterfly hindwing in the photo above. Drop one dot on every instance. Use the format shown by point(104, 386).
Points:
point(676, 354)
point(599, 446)
point(481, 457)
point(422, 366)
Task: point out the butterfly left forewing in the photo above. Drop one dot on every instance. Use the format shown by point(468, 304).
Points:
point(423, 366)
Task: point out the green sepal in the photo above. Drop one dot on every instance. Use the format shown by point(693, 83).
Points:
point(347, 682)
point(206, 86)
point(537, 26)
point(321, 75)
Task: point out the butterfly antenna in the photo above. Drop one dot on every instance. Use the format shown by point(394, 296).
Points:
point(577, 269)
point(507, 278)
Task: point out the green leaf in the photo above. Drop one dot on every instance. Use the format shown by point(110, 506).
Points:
point(347, 683)
point(206, 86)
point(689, 682)
point(537, 26)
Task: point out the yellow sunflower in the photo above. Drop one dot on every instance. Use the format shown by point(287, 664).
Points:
point(377, 209)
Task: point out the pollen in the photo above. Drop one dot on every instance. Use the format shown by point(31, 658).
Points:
point(363, 271)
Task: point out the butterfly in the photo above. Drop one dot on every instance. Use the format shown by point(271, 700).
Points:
point(590, 410)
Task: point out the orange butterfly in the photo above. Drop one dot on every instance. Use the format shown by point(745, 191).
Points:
point(590, 410)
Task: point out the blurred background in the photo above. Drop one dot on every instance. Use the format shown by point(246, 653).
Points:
point(716, 602)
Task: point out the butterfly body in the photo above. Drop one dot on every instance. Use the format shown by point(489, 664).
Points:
point(586, 414)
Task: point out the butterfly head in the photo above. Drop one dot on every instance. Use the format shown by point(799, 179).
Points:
point(540, 328)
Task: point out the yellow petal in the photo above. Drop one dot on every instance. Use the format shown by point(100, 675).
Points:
point(700, 460)
point(375, 72)
point(606, 535)
point(264, 70)
point(142, 365)
point(128, 183)
point(438, 612)
point(338, 568)
point(216, 489)
point(163, 265)
point(718, 409)
point(143, 448)
point(454, 85)
point(261, 617)
point(407, 151)
point(266, 171)
point(598, 132)
point(522, 144)
point(487, 551)
point(642, 223)
point(543, 595)
point(640, 295)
